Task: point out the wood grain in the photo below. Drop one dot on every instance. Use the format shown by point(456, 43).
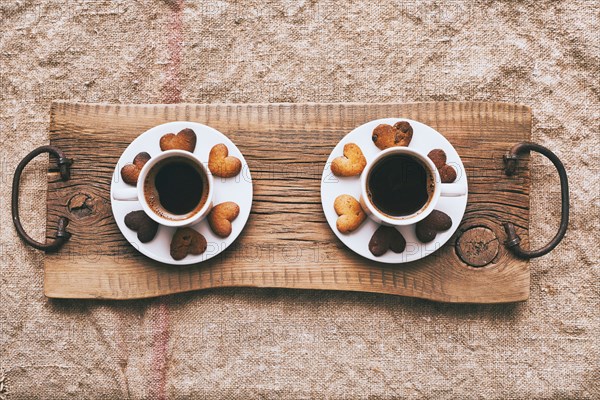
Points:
point(287, 242)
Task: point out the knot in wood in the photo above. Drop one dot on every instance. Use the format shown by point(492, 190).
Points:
point(477, 246)
point(81, 205)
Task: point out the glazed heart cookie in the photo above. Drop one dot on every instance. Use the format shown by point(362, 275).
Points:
point(184, 140)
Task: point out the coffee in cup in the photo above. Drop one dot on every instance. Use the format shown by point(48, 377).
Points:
point(176, 188)
point(399, 185)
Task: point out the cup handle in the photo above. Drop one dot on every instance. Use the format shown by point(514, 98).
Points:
point(453, 190)
point(128, 194)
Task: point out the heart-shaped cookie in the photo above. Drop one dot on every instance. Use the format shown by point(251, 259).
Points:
point(428, 228)
point(386, 136)
point(187, 241)
point(221, 216)
point(351, 163)
point(447, 172)
point(184, 140)
point(131, 172)
point(140, 222)
point(386, 238)
point(351, 214)
point(221, 164)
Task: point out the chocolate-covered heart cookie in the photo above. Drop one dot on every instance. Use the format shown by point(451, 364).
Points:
point(131, 172)
point(140, 222)
point(447, 172)
point(428, 228)
point(386, 238)
point(187, 241)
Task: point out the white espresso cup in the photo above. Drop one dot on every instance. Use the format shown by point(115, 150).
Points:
point(147, 193)
point(435, 189)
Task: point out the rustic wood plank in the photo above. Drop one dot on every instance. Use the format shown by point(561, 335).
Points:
point(287, 242)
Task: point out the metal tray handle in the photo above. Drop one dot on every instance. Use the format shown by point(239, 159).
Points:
point(510, 165)
point(62, 235)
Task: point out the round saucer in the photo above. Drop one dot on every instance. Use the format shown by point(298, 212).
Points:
point(424, 140)
point(237, 189)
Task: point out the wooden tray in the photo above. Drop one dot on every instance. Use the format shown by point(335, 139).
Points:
point(287, 242)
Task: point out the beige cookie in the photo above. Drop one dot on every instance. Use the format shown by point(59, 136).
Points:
point(184, 140)
point(221, 216)
point(221, 164)
point(351, 214)
point(351, 163)
point(386, 136)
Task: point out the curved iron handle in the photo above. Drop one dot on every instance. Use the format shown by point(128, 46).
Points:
point(510, 165)
point(61, 231)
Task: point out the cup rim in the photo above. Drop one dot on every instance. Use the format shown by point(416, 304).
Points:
point(405, 219)
point(191, 220)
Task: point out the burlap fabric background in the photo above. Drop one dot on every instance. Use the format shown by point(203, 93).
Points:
point(305, 344)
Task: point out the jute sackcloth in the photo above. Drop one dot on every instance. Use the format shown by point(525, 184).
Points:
point(306, 344)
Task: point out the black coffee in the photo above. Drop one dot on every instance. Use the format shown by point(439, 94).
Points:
point(178, 185)
point(399, 185)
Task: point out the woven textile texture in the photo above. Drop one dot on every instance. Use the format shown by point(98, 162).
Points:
point(306, 344)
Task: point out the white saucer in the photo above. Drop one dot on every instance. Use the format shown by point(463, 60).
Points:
point(424, 139)
point(237, 189)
